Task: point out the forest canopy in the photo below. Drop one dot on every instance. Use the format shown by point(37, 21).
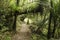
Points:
point(25, 5)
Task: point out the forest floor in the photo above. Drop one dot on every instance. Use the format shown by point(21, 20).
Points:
point(23, 34)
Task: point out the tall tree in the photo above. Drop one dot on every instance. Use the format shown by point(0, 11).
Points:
point(15, 16)
point(50, 18)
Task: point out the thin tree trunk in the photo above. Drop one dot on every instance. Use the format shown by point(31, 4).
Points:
point(15, 18)
point(17, 3)
point(51, 15)
point(54, 27)
point(49, 28)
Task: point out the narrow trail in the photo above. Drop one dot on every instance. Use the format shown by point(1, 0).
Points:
point(23, 34)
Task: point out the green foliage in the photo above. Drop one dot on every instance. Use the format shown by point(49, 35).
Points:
point(7, 37)
point(38, 37)
point(39, 23)
point(13, 4)
point(25, 5)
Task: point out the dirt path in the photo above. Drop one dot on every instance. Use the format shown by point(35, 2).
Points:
point(23, 34)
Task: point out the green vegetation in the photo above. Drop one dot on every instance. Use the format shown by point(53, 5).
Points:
point(39, 19)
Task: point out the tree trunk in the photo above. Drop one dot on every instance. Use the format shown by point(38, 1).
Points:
point(49, 35)
point(54, 28)
point(49, 28)
point(15, 19)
